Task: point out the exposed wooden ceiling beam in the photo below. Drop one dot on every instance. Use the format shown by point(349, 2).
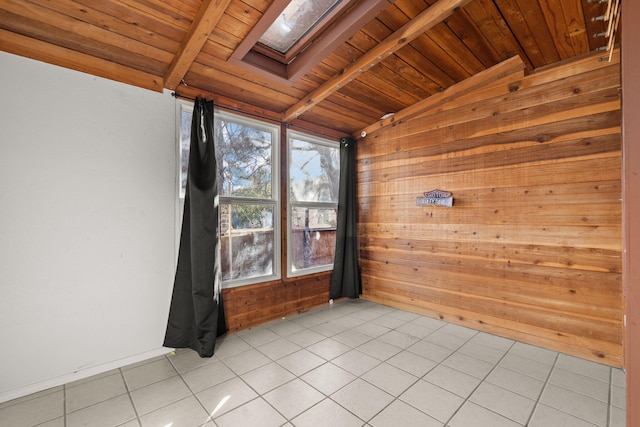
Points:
point(205, 21)
point(405, 35)
point(495, 73)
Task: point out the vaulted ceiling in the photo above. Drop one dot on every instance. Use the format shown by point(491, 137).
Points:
point(380, 56)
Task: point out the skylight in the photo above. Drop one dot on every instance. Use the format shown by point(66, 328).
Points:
point(292, 36)
point(295, 21)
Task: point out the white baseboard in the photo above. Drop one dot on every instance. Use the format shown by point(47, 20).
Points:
point(15, 393)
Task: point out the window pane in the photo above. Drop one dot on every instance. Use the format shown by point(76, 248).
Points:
point(247, 241)
point(185, 140)
point(313, 237)
point(313, 172)
point(249, 209)
point(298, 18)
point(243, 154)
point(244, 160)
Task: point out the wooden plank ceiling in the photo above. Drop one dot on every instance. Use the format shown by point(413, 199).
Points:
point(400, 53)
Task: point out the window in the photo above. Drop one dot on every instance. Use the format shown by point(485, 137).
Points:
point(314, 174)
point(248, 177)
point(295, 21)
point(248, 188)
point(292, 36)
point(247, 157)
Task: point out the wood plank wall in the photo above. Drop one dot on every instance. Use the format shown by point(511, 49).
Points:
point(531, 249)
point(248, 306)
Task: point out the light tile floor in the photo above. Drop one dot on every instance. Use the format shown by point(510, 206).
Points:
point(353, 363)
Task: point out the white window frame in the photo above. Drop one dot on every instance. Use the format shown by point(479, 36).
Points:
point(275, 189)
point(274, 201)
point(292, 204)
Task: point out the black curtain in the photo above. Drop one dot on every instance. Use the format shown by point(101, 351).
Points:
point(196, 315)
point(345, 279)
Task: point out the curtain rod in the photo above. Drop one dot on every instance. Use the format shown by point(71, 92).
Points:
point(176, 95)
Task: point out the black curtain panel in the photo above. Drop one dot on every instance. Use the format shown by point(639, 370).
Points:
point(345, 279)
point(196, 315)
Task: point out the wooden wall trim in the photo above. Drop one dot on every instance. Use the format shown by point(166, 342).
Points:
point(499, 72)
point(531, 249)
point(631, 150)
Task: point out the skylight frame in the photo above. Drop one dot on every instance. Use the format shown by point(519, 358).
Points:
point(324, 20)
point(337, 26)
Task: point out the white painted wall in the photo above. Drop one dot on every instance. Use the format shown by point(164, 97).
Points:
point(87, 224)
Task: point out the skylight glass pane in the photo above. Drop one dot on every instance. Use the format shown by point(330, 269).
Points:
point(298, 18)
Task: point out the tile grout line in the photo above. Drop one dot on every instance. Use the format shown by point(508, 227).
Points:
point(563, 387)
point(556, 366)
point(94, 403)
point(421, 378)
point(325, 363)
point(364, 373)
point(395, 398)
point(610, 396)
point(258, 394)
point(441, 364)
point(133, 405)
point(261, 395)
point(544, 387)
point(64, 404)
point(480, 383)
point(330, 361)
point(193, 394)
point(298, 377)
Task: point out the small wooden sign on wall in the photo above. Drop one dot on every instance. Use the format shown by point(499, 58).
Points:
point(436, 198)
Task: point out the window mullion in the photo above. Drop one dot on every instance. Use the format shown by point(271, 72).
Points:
point(314, 204)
